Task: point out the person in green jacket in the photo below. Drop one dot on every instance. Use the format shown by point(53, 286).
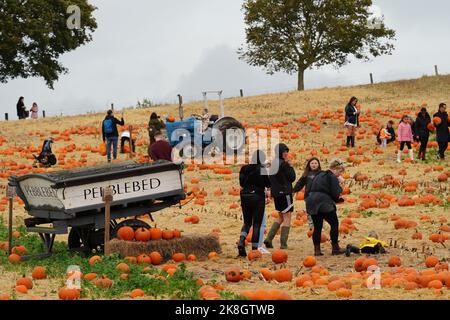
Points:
point(155, 125)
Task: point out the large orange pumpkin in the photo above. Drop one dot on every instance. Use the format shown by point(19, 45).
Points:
point(283, 275)
point(125, 233)
point(279, 256)
point(143, 235)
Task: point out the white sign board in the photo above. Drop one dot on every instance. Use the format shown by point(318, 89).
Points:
point(123, 189)
point(39, 193)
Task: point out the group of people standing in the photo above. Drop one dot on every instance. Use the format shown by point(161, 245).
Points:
point(158, 149)
point(408, 130)
point(420, 130)
point(261, 180)
point(23, 112)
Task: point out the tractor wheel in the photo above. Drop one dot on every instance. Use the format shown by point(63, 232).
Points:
point(235, 140)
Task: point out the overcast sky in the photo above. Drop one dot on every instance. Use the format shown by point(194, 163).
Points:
point(156, 49)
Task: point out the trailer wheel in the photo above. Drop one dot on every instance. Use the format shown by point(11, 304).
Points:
point(78, 239)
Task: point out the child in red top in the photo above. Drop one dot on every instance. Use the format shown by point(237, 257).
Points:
point(405, 137)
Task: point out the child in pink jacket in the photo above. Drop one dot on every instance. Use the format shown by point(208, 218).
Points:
point(405, 137)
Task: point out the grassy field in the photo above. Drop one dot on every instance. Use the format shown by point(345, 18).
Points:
point(311, 123)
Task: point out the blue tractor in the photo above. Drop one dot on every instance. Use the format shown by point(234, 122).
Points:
point(191, 136)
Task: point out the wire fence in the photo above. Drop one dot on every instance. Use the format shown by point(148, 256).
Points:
point(231, 92)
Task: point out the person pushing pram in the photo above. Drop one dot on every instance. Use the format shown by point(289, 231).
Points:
point(46, 157)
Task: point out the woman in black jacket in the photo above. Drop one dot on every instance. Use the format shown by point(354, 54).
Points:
point(351, 121)
point(21, 110)
point(321, 205)
point(281, 177)
point(421, 132)
point(442, 133)
point(254, 180)
point(312, 169)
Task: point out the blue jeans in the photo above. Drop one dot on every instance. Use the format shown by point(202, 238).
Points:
point(261, 231)
point(111, 141)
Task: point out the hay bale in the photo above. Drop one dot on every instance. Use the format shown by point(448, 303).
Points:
point(200, 246)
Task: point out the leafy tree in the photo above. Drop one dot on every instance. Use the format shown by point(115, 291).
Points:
point(35, 33)
point(296, 35)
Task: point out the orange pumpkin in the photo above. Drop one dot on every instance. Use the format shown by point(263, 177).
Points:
point(283, 275)
point(143, 235)
point(68, 294)
point(279, 256)
point(394, 261)
point(167, 234)
point(155, 234)
point(125, 233)
point(233, 275)
point(156, 258)
point(24, 281)
point(39, 273)
point(309, 262)
point(178, 257)
point(431, 261)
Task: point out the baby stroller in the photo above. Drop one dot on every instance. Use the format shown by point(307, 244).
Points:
point(46, 157)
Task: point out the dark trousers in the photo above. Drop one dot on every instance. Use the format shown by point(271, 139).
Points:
point(367, 250)
point(253, 206)
point(407, 143)
point(124, 140)
point(332, 219)
point(442, 148)
point(423, 147)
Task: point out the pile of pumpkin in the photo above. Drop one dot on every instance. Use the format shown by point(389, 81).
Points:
point(127, 233)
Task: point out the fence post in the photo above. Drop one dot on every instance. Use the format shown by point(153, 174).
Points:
point(180, 107)
point(436, 70)
point(43, 113)
point(6, 117)
point(112, 106)
point(131, 142)
point(371, 78)
point(107, 198)
point(242, 93)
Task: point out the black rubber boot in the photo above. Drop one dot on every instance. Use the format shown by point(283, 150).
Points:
point(241, 247)
point(351, 249)
point(348, 141)
point(271, 234)
point(336, 250)
point(317, 250)
point(352, 141)
point(284, 237)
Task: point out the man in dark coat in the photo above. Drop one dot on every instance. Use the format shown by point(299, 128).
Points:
point(442, 133)
point(321, 205)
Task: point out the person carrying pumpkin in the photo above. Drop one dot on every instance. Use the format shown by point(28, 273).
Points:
point(254, 180)
point(384, 136)
point(371, 245)
point(155, 124)
point(325, 192)
point(111, 134)
point(405, 137)
point(422, 133)
point(281, 176)
point(442, 124)
point(311, 170)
